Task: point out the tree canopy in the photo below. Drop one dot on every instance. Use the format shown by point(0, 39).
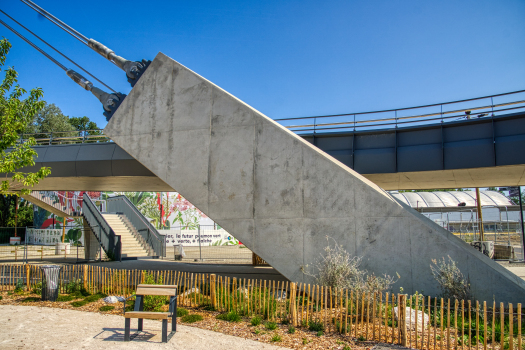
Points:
point(16, 114)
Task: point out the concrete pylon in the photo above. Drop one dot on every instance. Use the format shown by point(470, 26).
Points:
point(277, 193)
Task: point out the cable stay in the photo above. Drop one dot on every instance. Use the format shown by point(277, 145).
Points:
point(110, 102)
point(133, 69)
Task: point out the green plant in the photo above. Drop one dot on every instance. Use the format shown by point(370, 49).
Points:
point(347, 347)
point(451, 281)
point(285, 321)
point(255, 321)
point(30, 299)
point(153, 302)
point(257, 331)
point(19, 287)
point(361, 338)
point(191, 318)
point(1, 297)
point(276, 338)
point(304, 323)
point(271, 326)
point(65, 298)
point(94, 297)
point(305, 341)
point(315, 326)
point(319, 333)
point(231, 316)
point(208, 307)
point(106, 308)
point(291, 329)
point(76, 287)
point(79, 303)
point(181, 312)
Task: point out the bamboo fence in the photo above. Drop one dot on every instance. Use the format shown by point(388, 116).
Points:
point(423, 323)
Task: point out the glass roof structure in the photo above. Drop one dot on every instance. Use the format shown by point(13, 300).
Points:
point(450, 199)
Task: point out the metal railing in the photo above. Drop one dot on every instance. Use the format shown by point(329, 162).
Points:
point(65, 137)
point(121, 204)
point(394, 118)
point(110, 242)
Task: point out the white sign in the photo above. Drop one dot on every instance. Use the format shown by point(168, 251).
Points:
point(47, 236)
point(189, 238)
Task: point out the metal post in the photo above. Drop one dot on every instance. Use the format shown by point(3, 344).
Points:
point(480, 216)
point(522, 225)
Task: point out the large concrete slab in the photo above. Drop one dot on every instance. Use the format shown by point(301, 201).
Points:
point(277, 193)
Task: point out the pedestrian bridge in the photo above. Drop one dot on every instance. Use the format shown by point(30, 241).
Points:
point(477, 152)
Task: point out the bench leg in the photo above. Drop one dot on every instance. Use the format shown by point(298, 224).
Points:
point(127, 325)
point(141, 324)
point(165, 330)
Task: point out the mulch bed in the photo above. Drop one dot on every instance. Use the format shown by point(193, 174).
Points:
point(301, 339)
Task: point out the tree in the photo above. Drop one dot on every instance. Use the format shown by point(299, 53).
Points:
point(7, 212)
point(85, 126)
point(15, 115)
point(51, 119)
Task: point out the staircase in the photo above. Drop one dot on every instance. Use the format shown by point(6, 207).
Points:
point(52, 205)
point(132, 244)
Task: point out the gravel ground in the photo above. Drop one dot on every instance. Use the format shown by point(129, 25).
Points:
point(31, 327)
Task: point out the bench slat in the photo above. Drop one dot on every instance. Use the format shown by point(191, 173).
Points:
point(141, 290)
point(147, 314)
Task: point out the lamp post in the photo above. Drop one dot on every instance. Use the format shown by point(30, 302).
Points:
point(480, 216)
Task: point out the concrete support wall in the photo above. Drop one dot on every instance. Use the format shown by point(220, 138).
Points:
point(91, 245)
point(277, 193)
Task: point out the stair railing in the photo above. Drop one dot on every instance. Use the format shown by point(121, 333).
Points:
point(121, 204)
point(110, 242)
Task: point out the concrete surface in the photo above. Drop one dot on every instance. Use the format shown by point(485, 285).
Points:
point(277, 193)
point(31, 327)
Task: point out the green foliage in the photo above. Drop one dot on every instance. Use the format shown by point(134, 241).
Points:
point(276, 338)
point(15, 115)
point(304, 323)
point(95, 297)
point(1, 297)
point(271, 326)
point(257, 331)
point(347, 347)
point(8, 211)
point(305, 341)
point(191, 318)
point(319, 333)
point(181, 312)
point(208, 307)
point(30, 300)
point(451, 281)
point(285, 321)
point(85, 126)
point(19, 287)
point(315, 326)
point(255, 321)
point(291, 329)
point(79, 303)
point(153, 302)
point(76, 287)
point(66, 298)
point(231, 316)
point(361, 338)
point(106, 308)
point(37, 289)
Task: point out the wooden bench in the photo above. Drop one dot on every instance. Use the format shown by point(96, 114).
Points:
point(138, 312)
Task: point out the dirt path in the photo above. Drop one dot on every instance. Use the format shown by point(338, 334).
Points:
point(30, 327)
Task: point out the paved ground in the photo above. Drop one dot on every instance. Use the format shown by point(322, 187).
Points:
point(516, 268)
point(30, 327)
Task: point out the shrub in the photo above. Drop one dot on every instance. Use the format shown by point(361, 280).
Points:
point(1, 297)
point(347, 347)
point(276, 338)
point(106, 308)
point(451, 281)
point(255, 321)
point(37, 289)
point(319, 333)
point(271, 326)
point(231, 316)
point(208, 307)
point(361, 338)
point(94, 297)
point(30, 299)
point(181, 312)
point(291, 329)
point(305, 341)
point(339, 270)
point(191, 318)
point(285, 321)
point(65, 298)
point(153, 302)
point(315, 326)
point(19, 287)
point(78, 303)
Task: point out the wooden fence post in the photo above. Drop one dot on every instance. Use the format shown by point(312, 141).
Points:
point(28, 279)
point(213, 294)
point(85, 268)
point(293, 312)
point(401, 308)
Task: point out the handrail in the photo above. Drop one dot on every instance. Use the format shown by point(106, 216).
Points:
point(107, 238)
point(121, 204)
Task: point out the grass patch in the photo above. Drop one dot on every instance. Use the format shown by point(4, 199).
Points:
point(255, 321)
point(320, 333)
point(305, 341)
point(191, 318)
point(291, 329)
point(208, 307)
point(106, 308)
point(316, 326)
point(1, 297)
point(94, 297)
point(66, 298)
point(79, 303)
point(276, 338)
point(30, 299)
point(182, 312)
point(271, 326)
point(347, 348)
point(257, 331)
point(231, 316)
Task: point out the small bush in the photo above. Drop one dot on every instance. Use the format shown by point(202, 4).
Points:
point(153, 302)
point(231, 316)
point(291, 329)
point(304, 323)
point(276, 338)
point(106, 308)
point(305, 341)
point(451, 281)
point(1, 297)
point(208, 307)
point(19, 287)
point(30, 300)
point(315, 326)
point(285, 321)
point(78, 303)
point(257, 331)
point(320, 333)
point(182, 312)
point(66, 298)
point(191, 318)
point(255, 321)
point(347, 347)
point(361, 338)
point(271, 326)
point(94, 297)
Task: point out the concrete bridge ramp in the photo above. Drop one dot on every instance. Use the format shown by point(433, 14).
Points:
point(277, 193)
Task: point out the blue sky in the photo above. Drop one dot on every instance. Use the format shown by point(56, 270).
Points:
point(289, 58)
